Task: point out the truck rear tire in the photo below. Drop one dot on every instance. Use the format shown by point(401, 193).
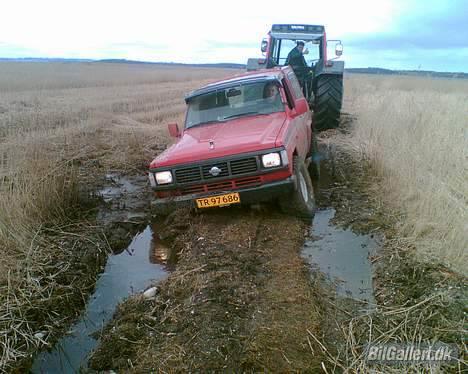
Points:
point(328, 101)
point(301, 202)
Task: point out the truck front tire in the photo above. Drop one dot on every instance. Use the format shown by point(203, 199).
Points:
point(301, 202)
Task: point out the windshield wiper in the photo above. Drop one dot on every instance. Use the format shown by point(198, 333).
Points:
point(228, 117)
point(206, 122)
point(243, 114)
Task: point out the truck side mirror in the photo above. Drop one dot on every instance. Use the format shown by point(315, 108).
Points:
point(301, 106)
point(338, 49)
point(174, 130)
point(264, 46)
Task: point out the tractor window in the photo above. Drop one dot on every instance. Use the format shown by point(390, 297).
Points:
point(233, 102)
point(313, 47)
point(286, 47)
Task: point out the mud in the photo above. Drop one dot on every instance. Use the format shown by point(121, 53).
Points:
point(343, 256)
point(141, 264)
point(126, 199)
point(116, 213)
point(242, 296)
point(239, 298)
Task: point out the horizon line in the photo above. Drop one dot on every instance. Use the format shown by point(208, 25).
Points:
point(201, 64)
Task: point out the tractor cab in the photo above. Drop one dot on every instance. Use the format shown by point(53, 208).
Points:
point(318, 75)
point(283, 38)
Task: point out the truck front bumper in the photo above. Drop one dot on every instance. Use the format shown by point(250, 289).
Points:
point(266, 192)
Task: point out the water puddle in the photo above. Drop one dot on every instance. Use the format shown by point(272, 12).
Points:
point(341, 255)
point(144, 261)
point(117, 187)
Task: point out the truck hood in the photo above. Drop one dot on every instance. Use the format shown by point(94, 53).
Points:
point(241, 135)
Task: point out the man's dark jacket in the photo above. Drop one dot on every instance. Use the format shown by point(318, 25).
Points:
point(296, 59)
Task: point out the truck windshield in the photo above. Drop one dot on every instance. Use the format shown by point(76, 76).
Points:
point(234, 102)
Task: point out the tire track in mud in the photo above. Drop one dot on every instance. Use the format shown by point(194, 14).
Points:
point(240, 297)
point(287, 307)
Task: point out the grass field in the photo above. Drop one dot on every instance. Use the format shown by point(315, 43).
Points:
point(414, 132)
point(63, 124)
point(56, 116)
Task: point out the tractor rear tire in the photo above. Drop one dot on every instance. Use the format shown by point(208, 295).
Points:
point(328, 101)
point(301, 202)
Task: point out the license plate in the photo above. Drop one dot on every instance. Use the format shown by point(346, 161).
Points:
point(219, 200)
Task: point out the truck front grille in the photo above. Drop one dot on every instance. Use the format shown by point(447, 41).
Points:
point(223, 166)
point(253, 181)
point(187, 175)
point(202, 173)
point(244, 166)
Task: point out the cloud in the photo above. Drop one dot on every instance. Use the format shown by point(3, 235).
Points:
point(431, 27)
point(12, 50)
point(430, 34)
point(391, 33)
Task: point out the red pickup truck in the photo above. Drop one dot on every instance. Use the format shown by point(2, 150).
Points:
point(246, 139)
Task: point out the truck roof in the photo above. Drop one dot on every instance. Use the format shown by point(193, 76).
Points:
point(275, 74)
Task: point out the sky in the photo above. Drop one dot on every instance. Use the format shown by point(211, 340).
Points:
point(394, 34)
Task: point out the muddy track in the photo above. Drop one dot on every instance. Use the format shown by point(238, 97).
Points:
point(241, 295)
point(240, 298)
point(120, 210)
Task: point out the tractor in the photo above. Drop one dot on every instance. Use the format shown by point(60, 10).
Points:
point(321, 78)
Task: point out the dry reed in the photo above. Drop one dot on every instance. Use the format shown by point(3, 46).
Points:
point(414, 132)
point(61, 125)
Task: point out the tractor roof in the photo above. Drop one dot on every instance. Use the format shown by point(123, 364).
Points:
point(244, 78)
point(297, 32)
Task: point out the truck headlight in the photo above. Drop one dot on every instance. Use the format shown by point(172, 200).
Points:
point(163, 177)
point(271, 159)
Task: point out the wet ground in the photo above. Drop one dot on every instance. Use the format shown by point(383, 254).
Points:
point(247, 292)
point(143, 263)
point(126, 198)
point(236, 263)
point(341, 255)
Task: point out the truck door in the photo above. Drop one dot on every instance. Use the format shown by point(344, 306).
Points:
point(303, 120)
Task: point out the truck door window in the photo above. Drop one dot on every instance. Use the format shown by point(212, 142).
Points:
point(295, 85)
point(289, 97)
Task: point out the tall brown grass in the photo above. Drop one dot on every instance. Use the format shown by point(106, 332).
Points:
point(414, 132)
point(61, 125)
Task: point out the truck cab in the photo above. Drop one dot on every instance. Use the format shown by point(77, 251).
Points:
point(245, 140)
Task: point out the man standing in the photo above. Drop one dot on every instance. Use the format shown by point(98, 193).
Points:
point(297, 61)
